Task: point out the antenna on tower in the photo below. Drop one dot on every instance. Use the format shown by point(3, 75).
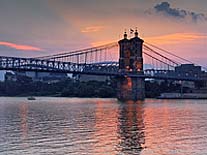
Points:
point(136, 32)
point(125, 34)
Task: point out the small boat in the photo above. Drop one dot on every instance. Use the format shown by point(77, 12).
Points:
point(31, 98)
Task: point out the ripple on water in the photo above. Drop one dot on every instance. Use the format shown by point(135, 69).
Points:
point(102, 126)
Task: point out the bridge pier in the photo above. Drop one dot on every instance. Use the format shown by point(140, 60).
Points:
point(130, 89)
point(131, 61)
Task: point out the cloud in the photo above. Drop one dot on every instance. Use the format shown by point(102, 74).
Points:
point(166, 9)
point(20, 47)
point(176, 38)
point(92, 29)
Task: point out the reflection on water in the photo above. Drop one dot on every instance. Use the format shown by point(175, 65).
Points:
point(23, 110)
point(102, 126)
point(131, 128)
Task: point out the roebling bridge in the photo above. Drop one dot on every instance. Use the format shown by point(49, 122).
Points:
point(126, 65)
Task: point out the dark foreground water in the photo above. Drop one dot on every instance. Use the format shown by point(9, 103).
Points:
point(76, 126)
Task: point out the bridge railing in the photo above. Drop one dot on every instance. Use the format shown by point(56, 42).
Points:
point(107, 69)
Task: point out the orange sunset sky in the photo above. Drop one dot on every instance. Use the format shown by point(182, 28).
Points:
point(41, 27)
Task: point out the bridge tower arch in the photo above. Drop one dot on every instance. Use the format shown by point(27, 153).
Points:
point(131, 61)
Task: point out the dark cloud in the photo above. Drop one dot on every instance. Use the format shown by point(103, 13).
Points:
point(166, 9)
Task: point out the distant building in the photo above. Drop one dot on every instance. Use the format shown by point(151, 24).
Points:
point(189, 70)
point(204, 75)
point(38, 76)
point(186, 70)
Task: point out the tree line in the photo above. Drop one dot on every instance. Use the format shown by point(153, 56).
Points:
point(25, 86)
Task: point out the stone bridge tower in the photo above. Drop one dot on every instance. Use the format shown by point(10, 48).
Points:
point(131, 61)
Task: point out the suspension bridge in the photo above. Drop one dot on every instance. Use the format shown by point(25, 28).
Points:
point(125, 59)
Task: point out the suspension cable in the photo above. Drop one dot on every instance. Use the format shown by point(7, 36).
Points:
point(87, 50)
point(170, 53)
point(158, 60)
point(150, 49)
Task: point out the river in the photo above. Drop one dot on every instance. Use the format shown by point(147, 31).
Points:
point(77, 126)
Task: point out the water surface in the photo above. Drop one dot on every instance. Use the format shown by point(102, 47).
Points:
point(102, 126)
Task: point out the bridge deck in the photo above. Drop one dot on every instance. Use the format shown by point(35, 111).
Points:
point(106, 69)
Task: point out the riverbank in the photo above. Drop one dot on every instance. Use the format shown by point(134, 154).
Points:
point(183, 96)
point(25, 87)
